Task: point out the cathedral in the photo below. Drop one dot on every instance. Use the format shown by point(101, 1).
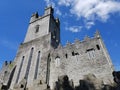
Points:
point(41, 61)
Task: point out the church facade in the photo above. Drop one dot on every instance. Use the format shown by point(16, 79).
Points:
point(41, 58)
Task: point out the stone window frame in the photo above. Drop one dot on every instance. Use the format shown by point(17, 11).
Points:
point(91, 53)
point(37, 28)
point(37, 65)
point(57, 61)
point(20, 68)
point(29, 63)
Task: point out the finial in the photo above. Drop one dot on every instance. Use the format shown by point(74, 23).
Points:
point(34, 17)
point(35, 14)
point(49, 10)
point(68, 43)
point(87, 38)
point(6, 63)
point(97, 34)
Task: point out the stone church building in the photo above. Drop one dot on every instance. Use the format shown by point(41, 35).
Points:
point(41, 60)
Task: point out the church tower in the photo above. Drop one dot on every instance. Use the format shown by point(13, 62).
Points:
point(40, 26)
point(41, 62)
point(43, 33)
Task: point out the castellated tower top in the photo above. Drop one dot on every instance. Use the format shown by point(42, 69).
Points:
point(49, 10)
point(40, 26)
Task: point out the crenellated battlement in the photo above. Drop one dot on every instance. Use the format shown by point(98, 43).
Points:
point(7, 63)
point(87, 47)
point(78, 41)
point(48, 11)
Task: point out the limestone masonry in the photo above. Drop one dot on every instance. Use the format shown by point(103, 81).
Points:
point(41, 62)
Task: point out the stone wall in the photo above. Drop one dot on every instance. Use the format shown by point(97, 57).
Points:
point(81, 58)
point(41, 45)
point(6, 74)
point(32, 56)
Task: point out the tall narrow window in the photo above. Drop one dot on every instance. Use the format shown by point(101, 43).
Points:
point(48, 69)
point(73, 54)
point(37, 65)
point(29, 64)
point(18, 75)
point(37, 28)
point(98, 47)
point(66, 55)
point(57, 61)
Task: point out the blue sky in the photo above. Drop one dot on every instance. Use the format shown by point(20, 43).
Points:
point(78, 18)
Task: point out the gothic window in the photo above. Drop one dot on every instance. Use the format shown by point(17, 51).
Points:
point(37, 28)
point(91, 53)
point(18, 75)
point(37, 65)
point(29, 63)
point(48, 69)
point(57, 61)
point(98, 47)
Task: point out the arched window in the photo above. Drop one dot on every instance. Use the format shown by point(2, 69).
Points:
point(91, 53)
point(29, 63)
point(37, 65)
point(37, 28)
point(57, 61)
point(18, 75)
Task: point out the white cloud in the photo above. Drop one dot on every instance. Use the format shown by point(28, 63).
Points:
point(92, 9)
point(89, 24)
point(74, 29)
point(53, 4)
point(95, 9)
point(88, 10)
point(65, 2)
point(50, 3)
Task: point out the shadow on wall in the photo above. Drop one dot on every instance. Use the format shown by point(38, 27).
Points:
point(63, 83)
point(90, 82)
